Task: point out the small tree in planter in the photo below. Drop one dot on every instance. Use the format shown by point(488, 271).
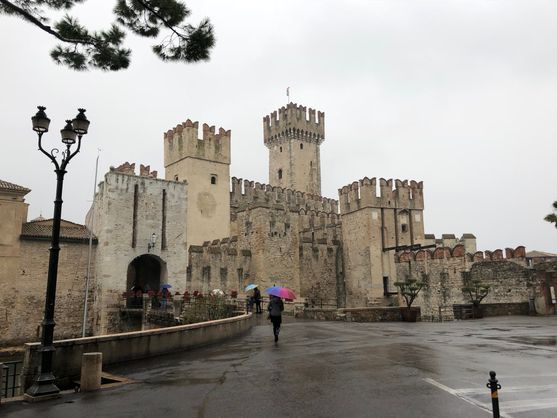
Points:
point(409, 290)
point(476, 291)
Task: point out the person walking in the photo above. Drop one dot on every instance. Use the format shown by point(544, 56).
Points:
point(257, 300)
point(276, 306)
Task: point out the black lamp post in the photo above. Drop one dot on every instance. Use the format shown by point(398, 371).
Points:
point(76, 128)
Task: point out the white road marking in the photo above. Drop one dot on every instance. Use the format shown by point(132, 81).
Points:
point(458, 394)
point(530, 405)
point(511, 389)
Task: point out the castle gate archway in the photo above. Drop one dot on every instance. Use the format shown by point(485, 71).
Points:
point(146, 272)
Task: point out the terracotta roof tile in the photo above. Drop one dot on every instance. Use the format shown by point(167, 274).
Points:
point(11, 186)
point(42, 229)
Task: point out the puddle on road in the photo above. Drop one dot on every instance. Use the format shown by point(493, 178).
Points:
point(548, 341)
point(535, 341)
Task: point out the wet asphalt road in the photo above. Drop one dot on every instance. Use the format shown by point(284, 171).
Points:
point(335, 369)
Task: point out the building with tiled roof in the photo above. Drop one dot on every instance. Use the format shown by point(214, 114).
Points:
point(6, 186)
point(41, 229)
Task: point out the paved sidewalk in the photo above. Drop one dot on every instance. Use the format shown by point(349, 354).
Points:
point(334, 369)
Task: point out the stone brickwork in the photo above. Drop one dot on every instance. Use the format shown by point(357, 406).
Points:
point(372, 226)
point(204, 164)
point(218, 265)
point(24, 304)
point(128, 210)
point(293, 136)
point(443, 270)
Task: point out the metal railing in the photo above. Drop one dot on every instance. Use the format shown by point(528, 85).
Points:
point(10, 387)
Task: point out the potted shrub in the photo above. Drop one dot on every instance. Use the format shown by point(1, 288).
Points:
point(476, 291)
point(409, 289)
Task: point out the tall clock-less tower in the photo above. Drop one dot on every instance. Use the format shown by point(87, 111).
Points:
point(204, 164)
point(293, 135)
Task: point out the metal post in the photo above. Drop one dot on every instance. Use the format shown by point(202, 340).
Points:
point(87, 281)
point(44, 385)
point(494, 386)
point(2, 382)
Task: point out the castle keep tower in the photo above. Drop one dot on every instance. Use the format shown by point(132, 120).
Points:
point(293, 136)
point(205, 165)
point(375, 221)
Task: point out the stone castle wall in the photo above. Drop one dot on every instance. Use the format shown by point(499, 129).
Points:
point(444, 269)
point(128, 209)
point(24, 299)
point(218, 265)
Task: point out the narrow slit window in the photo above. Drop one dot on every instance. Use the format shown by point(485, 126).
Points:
point(301, 146)
point(213, 179)
point(280, 173)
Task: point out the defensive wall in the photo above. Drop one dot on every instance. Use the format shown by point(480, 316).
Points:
point(406, 194)
point(445, 270)
point(219, 264)
point(247, 194)
point(128, 346)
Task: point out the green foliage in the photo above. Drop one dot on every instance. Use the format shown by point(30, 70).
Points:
point(476, 290)
point(552, 217)
point(207, 308)
point(409, 289)
point(82, 49)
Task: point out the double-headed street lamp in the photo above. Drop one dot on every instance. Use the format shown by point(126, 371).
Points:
point(75, 129)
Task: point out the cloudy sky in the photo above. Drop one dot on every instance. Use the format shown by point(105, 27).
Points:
point(459, 94)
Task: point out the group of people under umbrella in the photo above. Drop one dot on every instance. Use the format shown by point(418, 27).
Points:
point(276, 305)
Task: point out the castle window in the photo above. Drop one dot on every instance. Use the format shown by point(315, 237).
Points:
point(301, 146)
point(175, 177)
point(280, 173)
point(280, 149)
point(310, 164)
point(213, 179)
point(404, 227)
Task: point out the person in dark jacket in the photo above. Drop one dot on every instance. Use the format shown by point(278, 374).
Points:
point(257, 300)
point(276, 306)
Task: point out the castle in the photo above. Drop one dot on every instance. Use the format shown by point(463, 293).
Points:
point(201, 229)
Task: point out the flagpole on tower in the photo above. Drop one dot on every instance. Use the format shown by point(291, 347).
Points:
point(287, 94)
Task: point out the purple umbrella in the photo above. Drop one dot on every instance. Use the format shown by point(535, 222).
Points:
point(281, 292)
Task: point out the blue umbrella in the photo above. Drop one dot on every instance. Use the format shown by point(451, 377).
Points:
point(251, 286)
point(166, 286)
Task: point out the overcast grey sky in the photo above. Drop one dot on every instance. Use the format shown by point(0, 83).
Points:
point(459, 94)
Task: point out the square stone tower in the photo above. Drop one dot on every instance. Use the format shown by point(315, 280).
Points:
point(373, 225)
point(293, 136)
point(205, 165)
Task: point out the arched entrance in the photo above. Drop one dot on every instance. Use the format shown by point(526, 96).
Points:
point(145, 273)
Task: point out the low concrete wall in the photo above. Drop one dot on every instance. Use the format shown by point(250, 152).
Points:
point(126, 346)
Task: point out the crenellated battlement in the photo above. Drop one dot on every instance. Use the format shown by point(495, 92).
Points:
point(127, 168)
point(183, 141)
point(294, 121)
point(445, 253)
point(407, 194)
point(248, 194)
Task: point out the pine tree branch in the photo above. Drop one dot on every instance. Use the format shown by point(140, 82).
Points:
point(148, 6)
point(32, 19)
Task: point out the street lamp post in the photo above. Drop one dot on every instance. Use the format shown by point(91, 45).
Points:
point(44, 384)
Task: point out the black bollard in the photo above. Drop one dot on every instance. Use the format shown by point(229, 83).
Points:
point(494, 386)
